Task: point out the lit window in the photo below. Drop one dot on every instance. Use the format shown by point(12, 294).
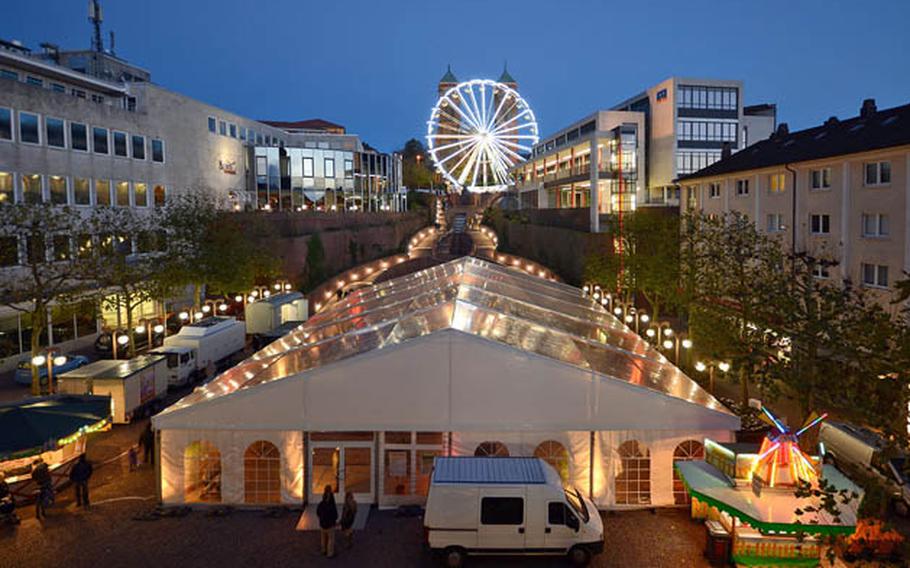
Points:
point(776, 183)
point(81, 193)
point(31, 188)
point(140, 194)
point(556, 455)
point(7, 192)
point(688, 450)
point(123, 194)
point(262, 473)
point(159, 196)
point(201, 473)
point(102, 192)
point(632, 484)
point(329, 167)
point(491, 450)
point(57, 187)
point(308, 167)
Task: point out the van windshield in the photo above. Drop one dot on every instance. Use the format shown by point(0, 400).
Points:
point(576, 502)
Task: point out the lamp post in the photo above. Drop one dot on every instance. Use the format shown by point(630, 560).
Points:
point(675, 342)
point(118, 340)
point(701, 367)
point(660, 332)
point(51, 357)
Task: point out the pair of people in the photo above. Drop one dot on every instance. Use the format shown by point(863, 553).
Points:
point(327, 512)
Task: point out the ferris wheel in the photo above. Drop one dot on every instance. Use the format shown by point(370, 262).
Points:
point(477, 132)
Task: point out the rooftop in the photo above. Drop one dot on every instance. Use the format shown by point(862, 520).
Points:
point(449, 77)
point(872, 130)
point(308, 124)
point(488, 471)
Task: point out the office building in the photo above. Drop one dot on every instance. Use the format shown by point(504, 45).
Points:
point(839, 191)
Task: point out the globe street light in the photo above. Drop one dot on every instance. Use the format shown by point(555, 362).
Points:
point(701, 367)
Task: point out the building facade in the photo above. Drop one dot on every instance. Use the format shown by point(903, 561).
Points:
point(839, 191)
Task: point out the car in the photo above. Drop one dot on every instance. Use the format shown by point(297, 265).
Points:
point(858, 451)
point(24, 370)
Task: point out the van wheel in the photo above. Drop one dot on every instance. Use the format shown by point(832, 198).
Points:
point(453, 557)
point(579, 556)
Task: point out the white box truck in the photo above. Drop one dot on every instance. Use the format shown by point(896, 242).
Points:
point(513, 505)
point(136, 386)
point(266, 314)
point(210, 340)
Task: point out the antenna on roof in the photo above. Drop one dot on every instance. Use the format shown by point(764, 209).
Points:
point(112, 43)
point(96, 17)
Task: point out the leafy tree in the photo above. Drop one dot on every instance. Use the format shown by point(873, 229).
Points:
point(416, 166)
point(37, 238)
point(316, 271)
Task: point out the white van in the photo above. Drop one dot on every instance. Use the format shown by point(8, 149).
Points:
point(507, 506)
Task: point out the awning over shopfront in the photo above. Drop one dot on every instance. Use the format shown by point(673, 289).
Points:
point(463, 346)
point(771, 509)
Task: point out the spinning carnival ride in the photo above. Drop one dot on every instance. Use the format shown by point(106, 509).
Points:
point(477, 132)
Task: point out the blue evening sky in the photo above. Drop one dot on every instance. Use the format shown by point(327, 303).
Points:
point(373, 65)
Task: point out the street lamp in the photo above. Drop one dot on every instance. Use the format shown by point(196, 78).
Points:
point(51, 360)
point(118, 340)
point(701, 367)
point(660, 333)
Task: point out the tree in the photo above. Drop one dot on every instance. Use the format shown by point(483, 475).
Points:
point(36, 237)
point(315, 272)
point(416, 165)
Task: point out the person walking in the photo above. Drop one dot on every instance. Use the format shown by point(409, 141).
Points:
point(327, 512)
point(348, 514)
point(41, 475)
point(79, 475)
point(147, 442)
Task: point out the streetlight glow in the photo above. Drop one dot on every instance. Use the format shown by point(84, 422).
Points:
point(158, 328)
point(183, 316)
point(123, 340)
point(700, 367)
point(686, 343)
point(629, 318)
point(140, 329)
point(650, 332)
point(39, 360)
point(238, 298)
point(724, 366)
point(668, 331)
point(206, 308)
point(59, 360)
point(198, 315)
point(617, 311)
point(668, 344)
point(222, 307)
point(644, 318)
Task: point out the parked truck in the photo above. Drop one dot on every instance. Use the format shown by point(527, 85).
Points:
point(197, 346)
point(262, 316)
point(136, 386)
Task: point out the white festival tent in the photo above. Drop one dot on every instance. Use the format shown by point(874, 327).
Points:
point(468, 348)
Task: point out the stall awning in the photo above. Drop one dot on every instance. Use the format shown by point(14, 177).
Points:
point(772, 510)
point(33, 425)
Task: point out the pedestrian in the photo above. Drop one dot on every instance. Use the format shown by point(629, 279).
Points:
point(348, 513)
point(327, 512)
point(79, 475)
point(41, 475)
point(147, 442)
point(133, 455)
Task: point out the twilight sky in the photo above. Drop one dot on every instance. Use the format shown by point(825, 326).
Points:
point(373, 65)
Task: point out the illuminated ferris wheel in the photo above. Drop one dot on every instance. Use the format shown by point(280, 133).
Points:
point(477, 132)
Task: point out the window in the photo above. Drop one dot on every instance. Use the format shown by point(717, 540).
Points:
point(715, 98)
point(259, 139)
point(7, 74)
point(159, 196)
point(58, 88)
point(61, 244)
point(502, 510)
point(212, 123)
point(692, 161)
point(120, 144)
point(242, 133)
point(28, 128)
point(820, 271)
point(102, 192)
point(97, 98)
point(54, 132)
point(78, 136)
point(308, 167)
point(775, 222)
point(99, 140)
point(820, 179)
point(138, 147)
point(742, 187)
point(878, 173)
point(6, 124)
point(262, 473)
point(329, 167)
point(348, 169)
point(559, 514)
point(81, 193)
point(688, 450)
point(491, 450)
point(222, 128)
point(31, 188)
point(712, 131)
point(202, 473)
point(233, 130)
point(556, 455)
point(157, 150)
point(140, 194)
point(714, 190)
point(875, 225)
point(78, 93)
point(777, 183)
point(36, 81)
point(57, 187)
point(819, 224)
point(875, 275)
point(123, 194)
point(9, 256)
point(632, 485)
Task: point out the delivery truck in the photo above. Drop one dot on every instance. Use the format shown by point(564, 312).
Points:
point(509, 505)
point(136, 386)
point(205, 344)
point(262, 316)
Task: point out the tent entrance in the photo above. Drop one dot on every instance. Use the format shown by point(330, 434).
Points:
point(346, 466)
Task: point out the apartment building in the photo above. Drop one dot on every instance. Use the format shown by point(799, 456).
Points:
point(840, 190)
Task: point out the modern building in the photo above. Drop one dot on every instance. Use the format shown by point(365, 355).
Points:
point(840, 190)
point(464, 358)
point(675, 127)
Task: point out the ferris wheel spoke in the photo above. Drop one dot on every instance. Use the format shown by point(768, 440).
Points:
point(452, 145)
point(496, 113)
point(515, 102)
point(469, 151)
point(509, 152)
point(502, 127)
point(464, 116)
point(505, 131)
point(466, 148)
point(470, 107)
point(508, 142)
point(472, 157)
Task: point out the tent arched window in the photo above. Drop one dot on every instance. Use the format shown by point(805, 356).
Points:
point(632, 485)
point(262, 473)
point(556, 455)
point(492, 450)
point(687, 450)
point(202, 473)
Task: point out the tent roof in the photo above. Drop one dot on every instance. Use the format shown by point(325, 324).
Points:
point(497, 305)
point(30, 424)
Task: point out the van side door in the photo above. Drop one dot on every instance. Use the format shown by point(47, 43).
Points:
point(562, 526)
point(501, 526)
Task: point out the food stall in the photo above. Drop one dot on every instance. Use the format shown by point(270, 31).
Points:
point(746, 493)
point(53, 428)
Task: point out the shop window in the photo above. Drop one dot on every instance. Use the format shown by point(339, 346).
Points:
point(429, 438)
point(202, 473)
point(81, 193)
point(31, 188)
point(632, 485)
point(397, 472)
point(425, 460)
point(262, 473)
point(556, 455)
point(688, 450)
point(492, 450)
point(159, 195)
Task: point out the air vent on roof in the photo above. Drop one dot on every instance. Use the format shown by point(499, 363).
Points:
point(868, 109)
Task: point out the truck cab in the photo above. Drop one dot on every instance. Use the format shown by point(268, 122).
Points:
point(507, 506)
point(181, 364)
